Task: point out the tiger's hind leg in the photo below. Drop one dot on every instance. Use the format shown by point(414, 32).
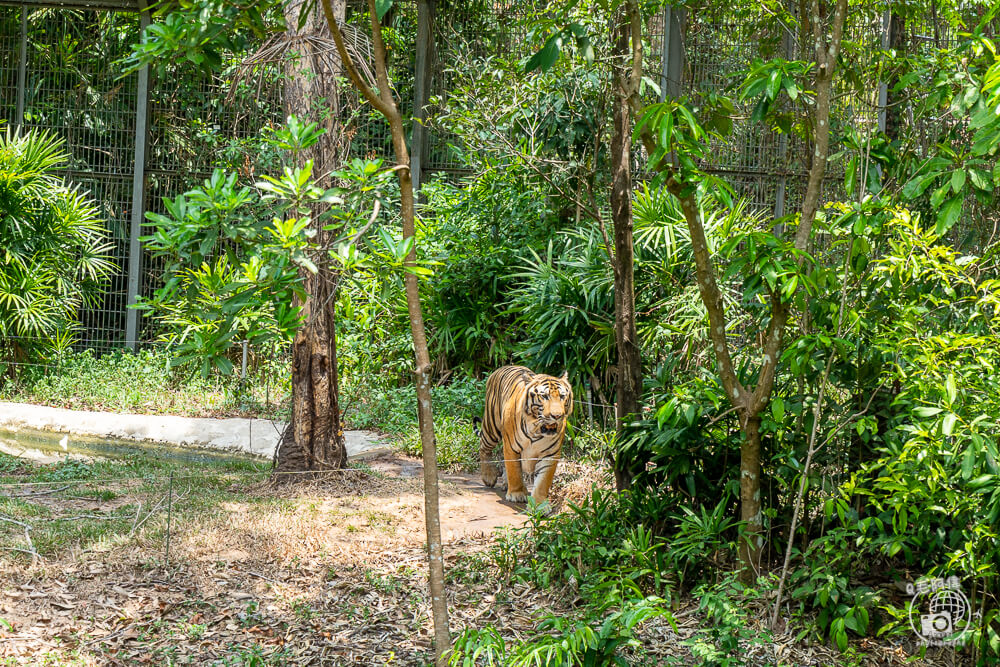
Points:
point(488, 469)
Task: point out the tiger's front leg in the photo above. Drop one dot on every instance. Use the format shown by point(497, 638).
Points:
point(516, 493)
point(545, 471)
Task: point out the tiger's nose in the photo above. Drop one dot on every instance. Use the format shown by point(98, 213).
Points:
point(557, 414)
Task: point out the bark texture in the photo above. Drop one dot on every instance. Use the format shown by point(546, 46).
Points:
point(314, 439)
point(383, 101)
point(627, 70)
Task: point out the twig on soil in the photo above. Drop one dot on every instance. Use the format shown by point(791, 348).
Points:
point(138, 525)
point(27, 538)
point(41, 493)
point(258, 575)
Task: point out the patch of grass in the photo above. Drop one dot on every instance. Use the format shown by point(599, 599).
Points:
point(58, 522)
point(142, 382)
point(394, 409)
point(457, 444)
point(253, 656)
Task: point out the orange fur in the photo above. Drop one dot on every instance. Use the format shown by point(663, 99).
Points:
point(527, 413)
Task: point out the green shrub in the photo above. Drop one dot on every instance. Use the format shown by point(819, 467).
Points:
point(142, 382)
point(394, 411)
point(610, 547)
point(728, 632)
point(54, 257)
point(562, 641)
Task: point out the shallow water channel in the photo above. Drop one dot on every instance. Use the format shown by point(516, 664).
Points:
point(50, 447)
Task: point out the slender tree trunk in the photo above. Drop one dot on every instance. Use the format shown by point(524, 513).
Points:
point(314, 439)
point(750, 505)
point(751, 403)
point(384, 102)
point(629, 384)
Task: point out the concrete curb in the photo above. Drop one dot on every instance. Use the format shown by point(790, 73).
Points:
point(252, 436)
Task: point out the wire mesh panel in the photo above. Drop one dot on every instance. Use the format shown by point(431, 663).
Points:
point(70, 90)
point(10, 48)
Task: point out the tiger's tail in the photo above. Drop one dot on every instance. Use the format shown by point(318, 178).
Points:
point(477, 426)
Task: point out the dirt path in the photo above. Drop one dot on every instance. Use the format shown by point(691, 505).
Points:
point(468, 508)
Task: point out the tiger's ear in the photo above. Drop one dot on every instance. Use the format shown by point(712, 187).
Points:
point(564, 376)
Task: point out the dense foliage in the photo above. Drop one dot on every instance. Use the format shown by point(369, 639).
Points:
point(879, 435)
point(54, 249)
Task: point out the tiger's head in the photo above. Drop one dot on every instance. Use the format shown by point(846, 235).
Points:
point(549, 401)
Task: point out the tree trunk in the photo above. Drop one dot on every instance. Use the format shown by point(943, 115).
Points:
point(750, 505)
point(314, 440)
point(629, 384)
point(383, 100)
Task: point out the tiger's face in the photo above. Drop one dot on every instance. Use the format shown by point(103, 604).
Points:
point(549, 401)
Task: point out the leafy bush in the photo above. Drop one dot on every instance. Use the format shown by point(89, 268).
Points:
point(394, 411)
point(725, 606)
point(564, 642)
point(55, 249)
point(610, 547)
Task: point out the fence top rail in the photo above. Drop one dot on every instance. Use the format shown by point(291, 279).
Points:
point(101, 5)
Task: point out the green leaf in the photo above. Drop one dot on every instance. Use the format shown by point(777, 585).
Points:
point(774, 85)
point(968, 462)
point(949, 214)
point(981, 179)
point(547, 56)
point(948, 424)
point(850, 176)
point(778, 410)
point(760, 110)
point(957, 180)
point(382, 7)
point(916, 186)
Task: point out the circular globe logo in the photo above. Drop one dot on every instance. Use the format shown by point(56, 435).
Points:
point(940, 613)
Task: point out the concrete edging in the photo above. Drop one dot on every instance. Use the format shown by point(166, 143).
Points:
point(252, 436)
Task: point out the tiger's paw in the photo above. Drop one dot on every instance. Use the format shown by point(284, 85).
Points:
point(490, 472)
point(517, 496)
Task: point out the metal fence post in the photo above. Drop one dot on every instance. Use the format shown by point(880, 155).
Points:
point(780, 193)
point(421, 85)
point(883, 86)
point(138, 199)
point(672, 58)
point(22, 70)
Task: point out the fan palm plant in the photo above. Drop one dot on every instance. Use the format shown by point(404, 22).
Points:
point(53, 248)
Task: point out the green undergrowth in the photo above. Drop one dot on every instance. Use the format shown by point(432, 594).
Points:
point(393, 410)
point(144, 383)
point(628, 562)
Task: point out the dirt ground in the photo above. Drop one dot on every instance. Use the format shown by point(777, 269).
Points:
point(325, 573)
point(329, 572)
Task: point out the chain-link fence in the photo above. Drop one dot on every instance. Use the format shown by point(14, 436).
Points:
point(135, 138)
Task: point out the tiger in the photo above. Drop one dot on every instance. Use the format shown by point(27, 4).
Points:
point(527, 412)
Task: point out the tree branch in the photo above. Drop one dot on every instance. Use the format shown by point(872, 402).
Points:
point(345, 58)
